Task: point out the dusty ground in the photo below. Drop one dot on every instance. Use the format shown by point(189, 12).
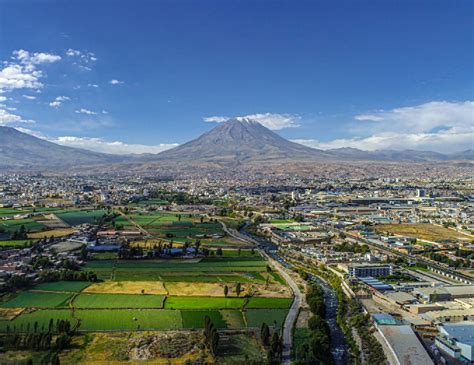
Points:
point(217, 289)
point(303, 317)
point(10, 313)
point(57, 232)
point(170, 348)
point(127, 287)
point(428, 232)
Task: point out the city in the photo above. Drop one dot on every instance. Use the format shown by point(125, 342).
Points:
point(236, 182)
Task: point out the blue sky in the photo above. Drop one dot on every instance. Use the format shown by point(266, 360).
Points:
point(141, 76)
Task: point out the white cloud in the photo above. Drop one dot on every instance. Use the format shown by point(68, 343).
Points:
point(73, 52)
point(445, 142)
point(56, 103)
point(32, 132)
point(93, 85)
point(28, 58)
point(29, 97)
point(116, 147)
point(6, 117)
point(115, 82)
point(422, 118)
point(215, 119)
point(435, 126)
point(15, 76)
point(22, 72)
point(105, 112)
point(85, 111)
point(272, 121)
point(369, 117)
point(83, 56)
point(3, 98)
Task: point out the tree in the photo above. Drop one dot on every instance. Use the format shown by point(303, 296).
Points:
point(238, 289)
point(226, 290)
point(55, 360)
point(265, 334)
point(219, 252)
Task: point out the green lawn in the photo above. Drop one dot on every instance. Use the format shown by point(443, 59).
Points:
point(118, 301)
point(38, 300)
point(66, 286)
point(203, 303)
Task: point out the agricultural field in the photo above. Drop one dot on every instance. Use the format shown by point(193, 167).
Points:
point(57, 232)
point(429, 232)
point(62, 286)
point(96, 301)
point(76, 218)
point(158, 295)
point(30, 299)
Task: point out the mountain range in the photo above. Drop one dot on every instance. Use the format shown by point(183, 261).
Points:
point(235, 142)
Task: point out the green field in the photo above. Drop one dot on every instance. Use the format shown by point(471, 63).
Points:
point(203, 303)
point(41, 316)
point(13, 225)
point(125, 319)
point(270, 303)
point(65, 286)
point(15, 243)
point(118, 301)
point(195, 319)
point(38, 300)
point(76, 218)
point(272, 317)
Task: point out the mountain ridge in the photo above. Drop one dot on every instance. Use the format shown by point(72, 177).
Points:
point(233, 143)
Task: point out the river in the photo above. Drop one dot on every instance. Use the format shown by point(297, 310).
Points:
point(338, 342)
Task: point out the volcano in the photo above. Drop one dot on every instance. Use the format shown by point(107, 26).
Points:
point(241, 141)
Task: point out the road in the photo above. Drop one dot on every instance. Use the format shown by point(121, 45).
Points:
point(292, 313)
point(278, 264)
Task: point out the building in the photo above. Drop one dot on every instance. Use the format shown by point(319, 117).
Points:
point(457, 340)
point(402, 342)
point(367, 270)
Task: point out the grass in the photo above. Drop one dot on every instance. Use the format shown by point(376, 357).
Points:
point(30, 225)
point(38, 300)
point(41, 316)
point(195, 318)
point(63, 286)
point(203, 303)
point(429, 232)
point(239, 348)
point(16, 243)
point(269, 303)
point(96, 301)
point(126, 319)
point(76, 218)
point(272, 317)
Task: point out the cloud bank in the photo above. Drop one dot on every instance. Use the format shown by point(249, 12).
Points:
point(273, 121)
point(440, 126)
